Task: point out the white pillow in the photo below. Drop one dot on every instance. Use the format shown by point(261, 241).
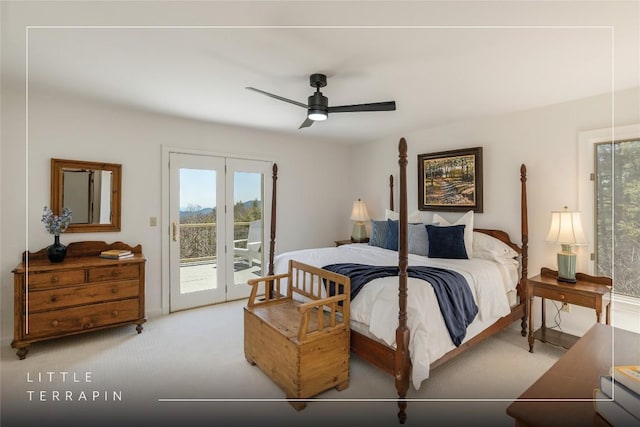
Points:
point(467, 221)
point(487, 247)
point(414, 217)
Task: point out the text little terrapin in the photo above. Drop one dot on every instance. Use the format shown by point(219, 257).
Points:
point(68, 395)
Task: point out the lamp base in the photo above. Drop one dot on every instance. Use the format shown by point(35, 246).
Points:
point(359, 233)
point(566, 265)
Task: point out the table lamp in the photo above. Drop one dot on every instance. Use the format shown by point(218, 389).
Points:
point(359, 215)
point(566, 229)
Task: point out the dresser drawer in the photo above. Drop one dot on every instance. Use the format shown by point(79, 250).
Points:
point(569, 298)
point(85, 294)
point(116, 272)
point(56, 278)
point(58, 322)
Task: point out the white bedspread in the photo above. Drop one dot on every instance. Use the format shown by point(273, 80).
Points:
point(377, 303)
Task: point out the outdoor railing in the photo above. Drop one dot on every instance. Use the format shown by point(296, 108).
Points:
point(198, 240)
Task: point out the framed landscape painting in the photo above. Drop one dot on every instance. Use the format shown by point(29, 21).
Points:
point(450, 180)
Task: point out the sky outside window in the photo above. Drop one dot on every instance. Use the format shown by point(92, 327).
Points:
point(198, 187)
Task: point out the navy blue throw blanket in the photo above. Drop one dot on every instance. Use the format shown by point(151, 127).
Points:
point(451, 288)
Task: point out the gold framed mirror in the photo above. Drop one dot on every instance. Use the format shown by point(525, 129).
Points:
point(91, 190)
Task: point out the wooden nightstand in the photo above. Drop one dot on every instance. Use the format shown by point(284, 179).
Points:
point(588, 291)
point(348, 242)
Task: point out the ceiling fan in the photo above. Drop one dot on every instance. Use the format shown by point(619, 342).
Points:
point(318, 105)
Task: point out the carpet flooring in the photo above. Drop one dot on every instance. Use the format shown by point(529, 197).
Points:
point(188, 369)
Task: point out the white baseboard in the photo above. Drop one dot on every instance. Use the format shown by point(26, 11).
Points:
point(153, 313)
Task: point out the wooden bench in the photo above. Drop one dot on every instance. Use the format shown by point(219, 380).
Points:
point(303, 346)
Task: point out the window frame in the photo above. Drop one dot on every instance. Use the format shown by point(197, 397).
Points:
point(586, 190)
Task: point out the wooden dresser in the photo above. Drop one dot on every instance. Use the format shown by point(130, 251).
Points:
point(81, 294)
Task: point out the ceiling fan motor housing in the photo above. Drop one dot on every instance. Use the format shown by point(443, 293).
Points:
point(318, 104)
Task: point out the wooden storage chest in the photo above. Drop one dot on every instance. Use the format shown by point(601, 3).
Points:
point(81, 294)
point(302, 346)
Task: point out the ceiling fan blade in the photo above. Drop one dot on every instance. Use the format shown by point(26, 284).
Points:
point(376, 106)
point(307, 122)
point(299, 104)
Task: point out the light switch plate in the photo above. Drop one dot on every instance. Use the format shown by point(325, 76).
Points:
point(153, 221)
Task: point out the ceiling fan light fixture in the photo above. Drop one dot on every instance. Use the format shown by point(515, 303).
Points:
point(317, 115)
point(318, 107)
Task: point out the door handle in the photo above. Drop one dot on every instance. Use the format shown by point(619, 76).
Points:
point(175, 232)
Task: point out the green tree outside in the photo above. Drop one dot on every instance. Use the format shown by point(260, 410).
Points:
point(618, 214)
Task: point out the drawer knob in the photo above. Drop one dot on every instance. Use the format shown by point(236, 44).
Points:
point(86, 323)
point(115, 313)
point(114, 290)
point(54, 323)
point(561, 296)
point(54, 279)
point(54, 298)
point(115, 273)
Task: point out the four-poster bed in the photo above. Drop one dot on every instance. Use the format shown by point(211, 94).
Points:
point(401, 355)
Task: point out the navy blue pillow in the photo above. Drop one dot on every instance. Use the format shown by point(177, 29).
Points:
point(378, 234)
point(392, 235)
point(446, 242)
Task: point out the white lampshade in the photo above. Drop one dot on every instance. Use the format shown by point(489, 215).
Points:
point(566, 228)
point(359, 211)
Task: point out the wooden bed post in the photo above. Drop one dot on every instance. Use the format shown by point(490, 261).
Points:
point(391, 192)
point(272, 241)
point(402, 360)
point(524, 224)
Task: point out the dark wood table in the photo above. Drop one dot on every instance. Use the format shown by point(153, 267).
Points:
point(574, 376)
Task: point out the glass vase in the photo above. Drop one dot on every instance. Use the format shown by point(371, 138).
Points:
point(57, 252)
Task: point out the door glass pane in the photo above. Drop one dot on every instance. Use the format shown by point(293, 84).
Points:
point(198, 252)
point(248, 226)
point(618, 214)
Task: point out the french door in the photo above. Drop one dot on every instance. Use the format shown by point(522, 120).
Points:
point(219, 209)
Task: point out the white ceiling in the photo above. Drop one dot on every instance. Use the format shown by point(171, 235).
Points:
point(436, 75)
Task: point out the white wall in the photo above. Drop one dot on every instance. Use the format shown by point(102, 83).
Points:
point(545, 139)
point(310, 202)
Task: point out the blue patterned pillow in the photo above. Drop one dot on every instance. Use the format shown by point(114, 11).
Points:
point(446, 242)
point(392, 235)
point(378, 234)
